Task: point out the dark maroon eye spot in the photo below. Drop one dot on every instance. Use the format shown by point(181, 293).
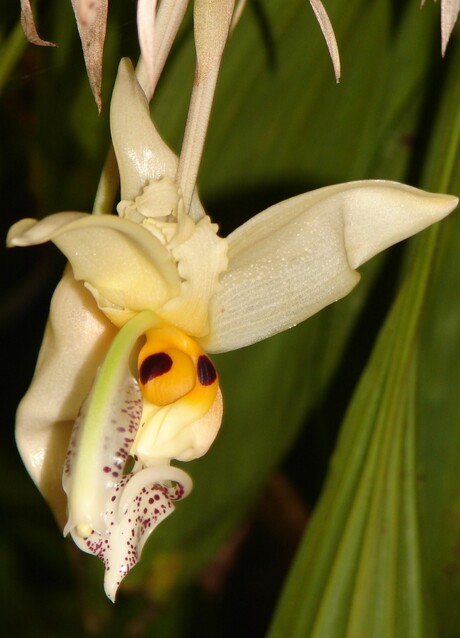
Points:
point(206, 371)
point(154, 366)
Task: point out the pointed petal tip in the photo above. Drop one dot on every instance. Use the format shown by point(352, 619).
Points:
point(438, 205)
point(126, 70)
point(141, 153)
point(126, 79)
point(383, 213)
point(358, 220)
point(17, 234)
point(110, 587)
point(448, 202)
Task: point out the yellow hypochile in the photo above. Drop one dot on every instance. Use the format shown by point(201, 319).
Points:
point(172, 365)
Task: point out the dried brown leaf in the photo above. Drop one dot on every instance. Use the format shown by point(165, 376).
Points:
point(28, 24)
point(91, 16)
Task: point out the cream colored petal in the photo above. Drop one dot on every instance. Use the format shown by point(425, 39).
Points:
point(297, 257)
point(119, 259)
point(111, 514)
point(76, 340)
point(91, 16)
point(141, 153)
point(177, 431)
point(201, 261)
point(103, 432)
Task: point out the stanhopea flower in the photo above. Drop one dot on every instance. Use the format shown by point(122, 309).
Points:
point(124, 384)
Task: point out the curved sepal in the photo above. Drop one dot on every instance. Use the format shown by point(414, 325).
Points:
point(201, 260)
point(126, 267)
point(76, 341)
point(28, 25)
point(142, 155)
point(295, 258)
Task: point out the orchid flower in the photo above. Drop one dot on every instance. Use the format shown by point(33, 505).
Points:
point(124, 384)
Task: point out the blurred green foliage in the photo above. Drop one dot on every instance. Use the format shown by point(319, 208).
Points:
point(378, 534)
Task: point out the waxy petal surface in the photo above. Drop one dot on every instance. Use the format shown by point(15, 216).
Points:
point(298, 256)
point(125, 266)
point(76, 340)
point(141, 154)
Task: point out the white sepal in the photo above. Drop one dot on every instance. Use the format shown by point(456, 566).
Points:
point(125, 266)
point(141, 153)
point(76, 341)
point(300, 255)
